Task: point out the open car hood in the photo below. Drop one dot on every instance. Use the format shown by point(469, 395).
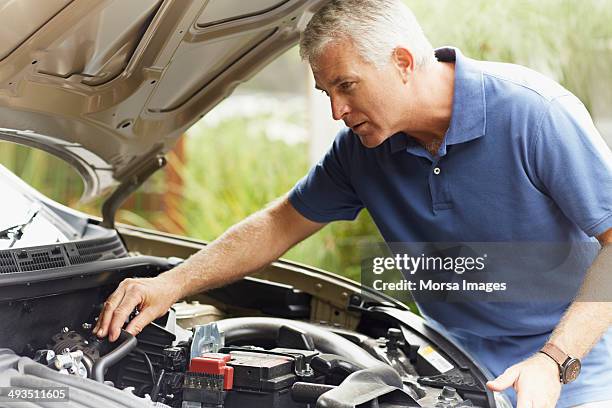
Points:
point(110, 85)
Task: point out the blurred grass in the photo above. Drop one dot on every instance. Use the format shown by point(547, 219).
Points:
point(569, 40)
point(234, 170)
point(48, 174)
point(231, 168)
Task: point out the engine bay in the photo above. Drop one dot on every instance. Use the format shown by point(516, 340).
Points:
point(255, 361)
point(217, 367)
point(253, 343)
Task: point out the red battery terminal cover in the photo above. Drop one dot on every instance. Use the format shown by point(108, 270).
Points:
point(214, 364)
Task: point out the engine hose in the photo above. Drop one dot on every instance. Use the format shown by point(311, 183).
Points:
point(38, 404)
point(20, 404)
point(76, 396)
point(308, 393)
point(111, 394)
point(245, 329)
point(8, 359)
point(127, 344)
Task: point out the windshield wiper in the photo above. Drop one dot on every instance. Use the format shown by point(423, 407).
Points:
point(16, 232)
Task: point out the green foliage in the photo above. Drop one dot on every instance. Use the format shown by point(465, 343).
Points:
point(46, 173)
point(232, 172)
point(570, 40)
point(235, 173)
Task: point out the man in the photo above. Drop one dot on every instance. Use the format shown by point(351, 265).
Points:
point(438, 147)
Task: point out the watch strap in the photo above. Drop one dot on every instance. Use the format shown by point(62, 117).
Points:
point(555, 353)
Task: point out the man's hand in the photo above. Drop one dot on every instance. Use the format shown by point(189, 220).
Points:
point(152, 296)
point(535, 380)
point(246, 247)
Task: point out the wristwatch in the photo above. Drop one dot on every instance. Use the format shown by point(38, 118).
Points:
point(569, 367)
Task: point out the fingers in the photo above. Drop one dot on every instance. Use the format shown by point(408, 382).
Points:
point(152, 296)
point(146, 316)
point(535, 380)
point(117, 309)
point(121, 313)
point(507, 379)
point(108, 309)
point(535, 397)
point(523, 401)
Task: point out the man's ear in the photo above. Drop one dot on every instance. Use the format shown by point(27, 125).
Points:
point(403, 61)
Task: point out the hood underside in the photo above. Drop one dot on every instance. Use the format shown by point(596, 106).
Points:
point(110, 85)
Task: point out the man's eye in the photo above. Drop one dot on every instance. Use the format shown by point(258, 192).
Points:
point(325, 92)
point(345, 86)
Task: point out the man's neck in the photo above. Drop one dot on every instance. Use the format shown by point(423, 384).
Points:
point(433, 99)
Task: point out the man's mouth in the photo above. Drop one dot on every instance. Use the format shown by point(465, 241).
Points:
point(355, 127)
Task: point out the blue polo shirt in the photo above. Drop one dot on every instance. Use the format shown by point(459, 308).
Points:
point(521, 161)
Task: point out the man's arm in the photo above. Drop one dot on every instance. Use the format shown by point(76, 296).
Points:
point(244, 248)
point(591, 307)
point(536, 380)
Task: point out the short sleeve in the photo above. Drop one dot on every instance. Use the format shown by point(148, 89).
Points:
point(574, 164)
point(326, 194)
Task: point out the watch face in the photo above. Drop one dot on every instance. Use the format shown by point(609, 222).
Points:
point(572, 369)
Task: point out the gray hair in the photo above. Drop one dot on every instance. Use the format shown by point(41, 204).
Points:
point(376, 28)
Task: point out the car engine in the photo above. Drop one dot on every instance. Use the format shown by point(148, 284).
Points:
point(254, 345)
point(236, 362)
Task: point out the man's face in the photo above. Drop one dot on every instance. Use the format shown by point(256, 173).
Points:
point(370, 100)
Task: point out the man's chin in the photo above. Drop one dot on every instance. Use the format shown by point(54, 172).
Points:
point(369, 140)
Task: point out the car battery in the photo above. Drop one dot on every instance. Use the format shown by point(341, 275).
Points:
point(261, 380)
point(246, 378)
point(208, 379)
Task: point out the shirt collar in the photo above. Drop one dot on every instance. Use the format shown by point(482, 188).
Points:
point(468, 118)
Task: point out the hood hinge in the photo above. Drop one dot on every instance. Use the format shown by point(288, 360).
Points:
point(127, 187)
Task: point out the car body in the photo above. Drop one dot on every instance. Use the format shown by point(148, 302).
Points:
point(109, 87)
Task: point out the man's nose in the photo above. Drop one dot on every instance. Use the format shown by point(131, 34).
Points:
point(339, 108)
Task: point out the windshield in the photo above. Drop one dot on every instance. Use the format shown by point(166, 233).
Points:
point(25, 218)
